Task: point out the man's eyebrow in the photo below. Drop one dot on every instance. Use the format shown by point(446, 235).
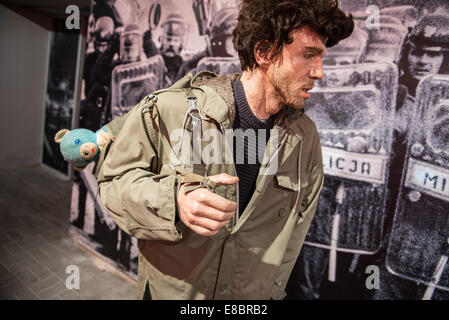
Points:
point(314, 50)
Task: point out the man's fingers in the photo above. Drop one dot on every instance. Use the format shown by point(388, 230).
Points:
point(202, 231)
point(207, 198)
point(205, 223)
point(206, 211)
point(224, 179)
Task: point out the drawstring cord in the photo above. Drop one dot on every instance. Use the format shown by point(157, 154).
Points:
point(195, 122)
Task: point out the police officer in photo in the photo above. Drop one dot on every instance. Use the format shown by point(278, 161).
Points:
point(173, 36)
point(97, 74)
point(149, 47)
point(219, 39)
point(131, 51)
point(425, 52)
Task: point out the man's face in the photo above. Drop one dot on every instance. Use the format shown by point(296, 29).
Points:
point(172, 39)
point(171, 46)
point(424, 61)
point(297, 66)
point(101, 46)
point(129, 52)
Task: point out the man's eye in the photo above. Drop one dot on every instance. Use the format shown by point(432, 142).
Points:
point(417, 52)
point(308, 56)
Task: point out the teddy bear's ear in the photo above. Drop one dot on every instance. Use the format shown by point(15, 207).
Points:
point(60, 134)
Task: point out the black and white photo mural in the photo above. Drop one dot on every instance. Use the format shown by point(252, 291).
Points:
point(382, 111)
point(380, 230)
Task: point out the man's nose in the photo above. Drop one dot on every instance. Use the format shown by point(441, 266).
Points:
point(316, 71)
point(424, 59)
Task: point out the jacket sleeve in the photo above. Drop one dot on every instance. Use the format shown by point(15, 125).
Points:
point(141, 202)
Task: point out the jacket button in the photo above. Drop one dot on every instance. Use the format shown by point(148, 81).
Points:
point(282, 212)
point(231, 190)
point(278, 283)
point(304, 202)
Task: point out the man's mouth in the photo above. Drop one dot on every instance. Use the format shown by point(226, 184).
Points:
point(305, 91)
point(422, 71)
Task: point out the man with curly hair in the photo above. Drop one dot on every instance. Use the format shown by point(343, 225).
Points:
point(231, 228)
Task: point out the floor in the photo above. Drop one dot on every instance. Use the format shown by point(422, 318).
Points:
point(38, 258)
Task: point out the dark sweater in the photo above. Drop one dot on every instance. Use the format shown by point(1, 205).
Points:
point(248, 163)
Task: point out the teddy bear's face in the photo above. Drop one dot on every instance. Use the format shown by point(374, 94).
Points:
point(78, 146)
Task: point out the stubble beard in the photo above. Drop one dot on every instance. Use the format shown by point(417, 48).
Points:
point(285, 95)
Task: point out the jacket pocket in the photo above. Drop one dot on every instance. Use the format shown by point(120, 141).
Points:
point(288, 180)
point(157, 221)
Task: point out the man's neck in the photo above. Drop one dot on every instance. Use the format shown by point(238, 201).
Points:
point(261, 96)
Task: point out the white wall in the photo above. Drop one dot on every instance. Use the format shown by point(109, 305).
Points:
point(23, 67)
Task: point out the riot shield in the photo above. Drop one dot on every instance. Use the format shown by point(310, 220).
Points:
point(353, 110)
point(418, 245)
point(219, 65)
point(131, 82)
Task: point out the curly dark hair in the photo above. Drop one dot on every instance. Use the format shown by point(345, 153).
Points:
point(268, 22)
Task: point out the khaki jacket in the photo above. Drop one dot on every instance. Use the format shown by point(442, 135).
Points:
point(253, 256)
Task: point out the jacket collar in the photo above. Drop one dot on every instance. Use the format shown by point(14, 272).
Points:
point(221, 106)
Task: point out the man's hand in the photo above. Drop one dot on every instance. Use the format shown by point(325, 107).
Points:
point(206, 212)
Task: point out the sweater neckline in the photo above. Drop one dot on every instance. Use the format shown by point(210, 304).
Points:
point(244, 110)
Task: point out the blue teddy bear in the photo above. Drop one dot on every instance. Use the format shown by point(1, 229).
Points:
point(81, 146)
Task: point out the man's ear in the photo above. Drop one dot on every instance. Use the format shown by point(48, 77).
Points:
point(263, 53)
